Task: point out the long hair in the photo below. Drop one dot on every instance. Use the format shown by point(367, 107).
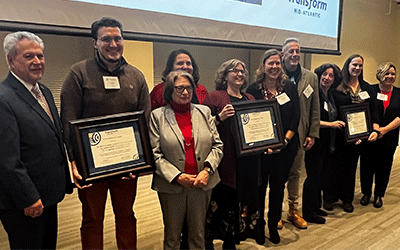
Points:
point(346, 73)
point(260, 74)
point(171, 60)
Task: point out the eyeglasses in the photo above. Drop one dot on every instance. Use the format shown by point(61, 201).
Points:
point(237, 71)
point(108, 39)
point(180, 89)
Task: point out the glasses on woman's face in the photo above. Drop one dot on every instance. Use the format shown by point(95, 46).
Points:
point(237, 71)
point(180, 89)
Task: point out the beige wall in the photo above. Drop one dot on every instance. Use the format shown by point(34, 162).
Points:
point(368, 31)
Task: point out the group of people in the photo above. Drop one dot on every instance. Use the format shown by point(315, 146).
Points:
point(312, 109)
point(206, 191)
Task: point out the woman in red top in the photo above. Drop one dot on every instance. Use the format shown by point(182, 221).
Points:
point(179, 60)
point(187, 151)
point(377, 159)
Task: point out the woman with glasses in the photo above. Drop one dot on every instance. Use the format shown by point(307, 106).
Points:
point(271, 83)
point(179, 60)
point(377, 159)
point(238, 175)
point(187, 151)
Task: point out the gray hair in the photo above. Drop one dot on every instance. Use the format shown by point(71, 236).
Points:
point(170, 83)
point(11, 40)
point(224, 69)
point(289, 40)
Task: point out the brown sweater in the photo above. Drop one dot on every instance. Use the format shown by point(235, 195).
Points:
point(83, 94)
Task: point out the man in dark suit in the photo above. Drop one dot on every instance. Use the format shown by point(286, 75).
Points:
point(34, 172)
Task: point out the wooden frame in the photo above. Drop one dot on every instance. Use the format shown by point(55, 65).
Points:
point(358, 121)
point(112, 146)
point(257, 137)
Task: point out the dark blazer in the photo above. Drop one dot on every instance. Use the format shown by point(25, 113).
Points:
point(387, 116)
point(33, 164)
point(342, 99)
point(290, 111)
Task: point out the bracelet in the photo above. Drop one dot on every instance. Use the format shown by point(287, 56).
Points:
point(209, 170)
point(379, 133)
point(218, 118)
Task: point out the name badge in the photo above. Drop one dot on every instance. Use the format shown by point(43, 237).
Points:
point(111, 82)
point(382, 97)
point(308, 91)
point(363, 95)
point(326, 106)
point(283, 98)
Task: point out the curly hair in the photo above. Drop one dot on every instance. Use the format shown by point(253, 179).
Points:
point(337, 73)
point(224, 69)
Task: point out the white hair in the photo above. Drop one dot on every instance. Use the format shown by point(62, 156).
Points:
point(289, 40)
point(11, 40)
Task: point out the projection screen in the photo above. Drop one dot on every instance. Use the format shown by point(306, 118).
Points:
point(255, 24)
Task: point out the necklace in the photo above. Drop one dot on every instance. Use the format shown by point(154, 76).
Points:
point(269, 95)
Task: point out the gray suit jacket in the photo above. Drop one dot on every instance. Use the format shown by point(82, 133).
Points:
point(309, 107)
point(168, 146)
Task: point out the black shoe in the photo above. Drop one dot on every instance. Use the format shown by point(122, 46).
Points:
point(365, 200)
point(227, 245)
point(328, 206)
point(314, 218)
point(208, 246)
point(260, 232)
point(274, 235)
point(348, 207)
point(378, 203)
point(321, 212)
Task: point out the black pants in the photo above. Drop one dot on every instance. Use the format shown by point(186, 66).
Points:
point(315, 159)
point(320, 166)
point(25, 232)
point(376, 160)
point(345, 173)
point(275, 170)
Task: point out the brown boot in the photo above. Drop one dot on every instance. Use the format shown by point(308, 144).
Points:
point(280, 225)
point(296, 219)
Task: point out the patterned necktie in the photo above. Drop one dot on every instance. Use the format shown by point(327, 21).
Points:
point(42, 101)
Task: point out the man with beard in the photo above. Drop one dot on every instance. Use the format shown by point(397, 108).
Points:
point(307, 86)
point(104, 85)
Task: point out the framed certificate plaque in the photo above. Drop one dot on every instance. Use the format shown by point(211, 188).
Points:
point(358, 121)
point(257, 126)
point(111, 146)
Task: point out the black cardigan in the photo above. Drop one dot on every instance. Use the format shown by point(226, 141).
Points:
point(290, 111)
point(342, 99)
